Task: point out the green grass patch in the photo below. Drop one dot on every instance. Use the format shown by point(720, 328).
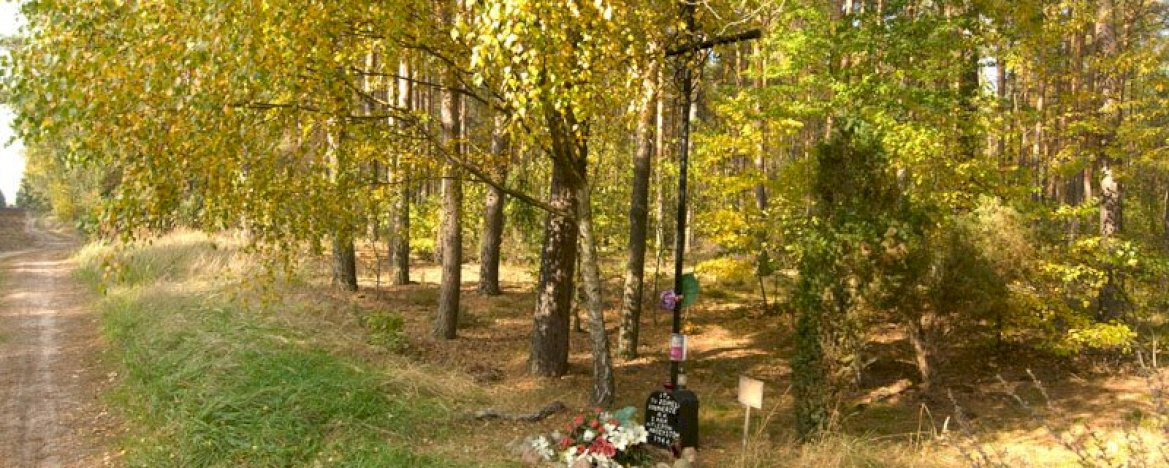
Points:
point(208, 382)
point(385, 329)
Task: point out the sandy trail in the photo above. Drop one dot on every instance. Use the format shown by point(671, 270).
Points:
point(50, 374)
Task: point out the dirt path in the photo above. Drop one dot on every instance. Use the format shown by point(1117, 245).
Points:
point(50, 374)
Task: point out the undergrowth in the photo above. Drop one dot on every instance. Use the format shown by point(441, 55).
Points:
point(763, 449)
point(1138, 441)
point(208, 381)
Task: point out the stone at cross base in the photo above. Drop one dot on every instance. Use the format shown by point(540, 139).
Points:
point(689, 459)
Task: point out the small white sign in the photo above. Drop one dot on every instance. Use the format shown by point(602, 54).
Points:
point(750, 392)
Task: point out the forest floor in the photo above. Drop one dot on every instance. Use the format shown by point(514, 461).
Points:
point(1091, 407)
point(50, 412)
point(208, 375)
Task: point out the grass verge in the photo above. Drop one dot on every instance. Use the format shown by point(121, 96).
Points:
point(209, 381)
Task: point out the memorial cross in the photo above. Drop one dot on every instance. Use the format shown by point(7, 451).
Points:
point(694, 43)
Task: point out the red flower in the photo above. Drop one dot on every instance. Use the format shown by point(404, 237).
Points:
point(580, 449)
point(578, 420)
point(613, 422)
point(602, 446)
point(565, 442)
point(595, 424)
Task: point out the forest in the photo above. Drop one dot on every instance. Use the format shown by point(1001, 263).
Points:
point(877, 191)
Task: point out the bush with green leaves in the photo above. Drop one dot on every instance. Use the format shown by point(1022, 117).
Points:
point(385, 329)
point(853, 234)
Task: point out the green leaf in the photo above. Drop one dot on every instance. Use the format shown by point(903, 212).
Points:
point(689, 289)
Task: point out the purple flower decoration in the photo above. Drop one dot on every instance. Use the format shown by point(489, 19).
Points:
point(669, 300)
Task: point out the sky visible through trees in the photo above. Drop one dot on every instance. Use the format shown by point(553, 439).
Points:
point(11, 155)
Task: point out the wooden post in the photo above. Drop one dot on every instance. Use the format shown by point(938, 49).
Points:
point(746, 428)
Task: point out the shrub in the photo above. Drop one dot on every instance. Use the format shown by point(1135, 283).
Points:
point(727, 270)
point(385, 329)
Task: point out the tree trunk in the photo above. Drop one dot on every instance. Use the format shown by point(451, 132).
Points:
point(1037, 142)
point(761, 126)
point(438, 242)
point(344, 254)
point(400, 248)
point(968, 91)
point(638, 220)
point(809, 376)
point(1074, 196)
point(549, 350)
point(660, 211)
point(344, 261)
point(689, 238)
point(400, 238)
point(446, 322)
point(1111, 299)
point(451, 238)
point(922, 351)
point(1165, 218)
point(1111, 215)
point(1001, 105)
point(492, 236)
point(577, 300)
point(603, 386)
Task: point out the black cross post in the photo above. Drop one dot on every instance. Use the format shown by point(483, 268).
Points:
point(671, 416)
point(693, 45)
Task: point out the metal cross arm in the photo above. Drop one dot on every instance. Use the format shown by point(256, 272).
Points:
point(720, 40)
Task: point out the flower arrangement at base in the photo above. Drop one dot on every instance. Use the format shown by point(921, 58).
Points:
point(596, 438)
